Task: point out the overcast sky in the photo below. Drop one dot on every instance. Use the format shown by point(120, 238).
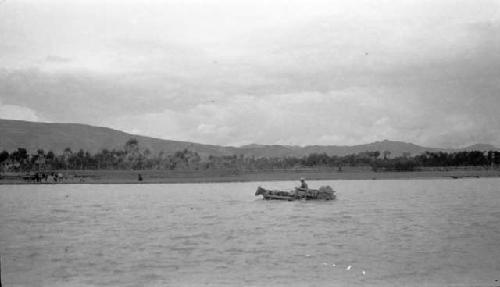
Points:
point(270, 72)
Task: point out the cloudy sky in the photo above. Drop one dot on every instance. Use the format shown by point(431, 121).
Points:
point(236, 72)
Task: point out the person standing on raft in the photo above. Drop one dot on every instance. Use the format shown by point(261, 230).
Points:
point(303, 184)
point(301, 191)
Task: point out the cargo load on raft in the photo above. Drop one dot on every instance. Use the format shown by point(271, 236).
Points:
point(323, 193)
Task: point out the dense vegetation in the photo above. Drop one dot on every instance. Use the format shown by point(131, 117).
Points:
point(132, 157)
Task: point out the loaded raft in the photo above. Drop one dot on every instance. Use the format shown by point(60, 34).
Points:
point(323, 193)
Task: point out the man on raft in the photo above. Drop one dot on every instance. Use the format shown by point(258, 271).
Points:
point(301, 191)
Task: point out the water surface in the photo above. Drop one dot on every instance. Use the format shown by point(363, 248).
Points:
point(390, 233)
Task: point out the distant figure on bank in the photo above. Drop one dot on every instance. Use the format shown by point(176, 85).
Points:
point(60, 177)
point(139, 177)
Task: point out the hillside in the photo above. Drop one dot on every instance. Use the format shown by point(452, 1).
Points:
point(58, 136)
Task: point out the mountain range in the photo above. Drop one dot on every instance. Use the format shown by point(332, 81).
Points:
point(58, 136)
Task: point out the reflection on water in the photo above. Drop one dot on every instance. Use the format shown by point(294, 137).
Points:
point(387, 233)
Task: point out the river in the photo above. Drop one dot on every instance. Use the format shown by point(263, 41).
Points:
point(377, 233)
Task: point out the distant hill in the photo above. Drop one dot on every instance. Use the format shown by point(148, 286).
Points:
point(58, 136)
point(479, 147)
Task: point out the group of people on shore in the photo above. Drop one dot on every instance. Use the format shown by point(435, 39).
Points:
point(39, 177)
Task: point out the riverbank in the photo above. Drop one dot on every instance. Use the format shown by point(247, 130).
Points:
point(161, 176)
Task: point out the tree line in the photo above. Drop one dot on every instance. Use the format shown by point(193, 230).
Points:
point(132, 157)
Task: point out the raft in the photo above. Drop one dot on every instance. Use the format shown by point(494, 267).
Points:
point(323, 193)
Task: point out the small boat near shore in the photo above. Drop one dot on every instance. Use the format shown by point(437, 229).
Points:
point(323, 193)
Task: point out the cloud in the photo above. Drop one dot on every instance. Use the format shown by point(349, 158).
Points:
point(57, 59)
point(13, 112)
point(83, 97)
point(238, 72)
point(351, 116)
point(346, 117)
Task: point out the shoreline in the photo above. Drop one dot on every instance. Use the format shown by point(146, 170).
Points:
point(174, 177)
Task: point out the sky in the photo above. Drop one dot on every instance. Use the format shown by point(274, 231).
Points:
point(233, 72)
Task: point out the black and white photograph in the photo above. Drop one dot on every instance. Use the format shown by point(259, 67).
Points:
point(249, 143)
